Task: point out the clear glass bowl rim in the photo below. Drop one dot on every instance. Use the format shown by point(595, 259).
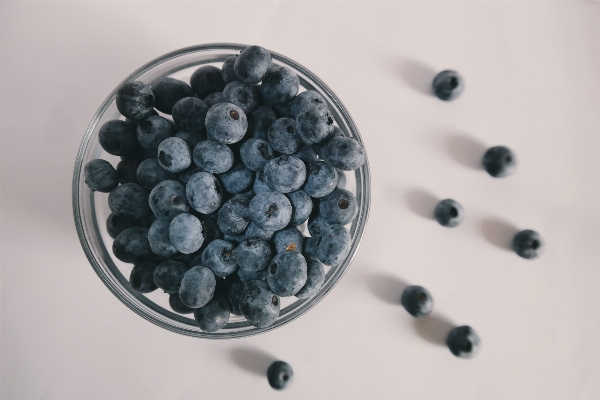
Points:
point(363, 184)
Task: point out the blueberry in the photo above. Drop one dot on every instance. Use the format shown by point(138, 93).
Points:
point(212, 229)
point(100, 176)
point(129, 200)
point(259, 304)
point(259, 183)
point(318, 147)
point(197, 287)
point(159, 238)
point(253, 64)
point(135, 100)
point(528, 244)
point(417, 301)
point(192, 138)
point(280, 375)
point(334, 245)
point(214, 315)
point(307, 98)
point(301, 206)
point(184, 177)
point(116, 224)
point(127, 171)
point(270, 210)
point(280, 85)
point(463, 342)
point(242, 95)
point(260, 121)
point(287, 273)
point(306, 154)
point(213, 157)
point(499, 161)
point(254, 232)
point(448, 85)
point(234, 216)
point(316, 225)
point(214, 98)
point(132, 245)
point(253, 255)
point(190, 113)
point(174, 155)
point(315, 277)
point(227, 71)
point(204, 192)
point(135, 122)
point(314, 124)
point(341, 181)
point(206, 80)
point(226, 123)
point(118, 138)
point(288, 239)
point(178, 306)
point(168, 275)
point(283, 110)
point(238, 179)
point(141, 278)
point(285, 174)
point(153, 130)
point(168, 91)
point(219, 257)
point(283, 137)
point(234, 293)
point(187, 233)
point(150, 173)
point(168, 199)
point(344, 153)
point(255, 153)
point(235, 239)
point(310, 247)
point(249, 276)
point(321, 179)
point(449, 213)
point(339, 207)
point(248, 193)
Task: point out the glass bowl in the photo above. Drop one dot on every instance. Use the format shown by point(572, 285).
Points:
point(90, 208)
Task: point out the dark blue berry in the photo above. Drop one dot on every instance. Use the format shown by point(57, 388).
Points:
point(259, 183)
point(305, 99)
point(187, 233)
point(288, 239)
point(253, 255)
point(259, 304)
point(213, 157)
point(344, 153)
point(178, 306)
point(463, 342)
point(253, 64)
point(185, 176)
point(315, 277)
point(448, 85)
point(260, 121)
point(238, 179)
point(153, 130)
point(283, 137)
point(150, 173)
point(528, 244)
point(287, 273)
point(132, 245)
point(219, 257)
point(316, 225)
point(135, 122)
point(168, 275)
point(285, 174)
point(214, 315)
point(255, 153)
point(283, 110)
point(280, 85)
point(234, 293)
point(339, 207)
point(127, 171)
point(321, 179)
point(190, 113)
point(129, 200)
point(174, 155)
point(270, 210)
point(141, 278)
point(192, 138)
point(242, 95)
point(168, 199)
point(227, 70)
point(119, 138)
point(499, 161)
point(204, 192)
point(302, 206)
point(235, 239)
point(306, 153)
point(314, 124)
point(449, 213)
point(280, 375)
point(249, 276)
point(254, 232)
point(168, 91)
point(100, 176)
point(160, 239)
point(318, 147)
point(214, 98)
point(197, 287)
point(226, 123)
point(135, 100)
point(116, 224)
point(206, 80)
point(234, 216)
point(310, 248)
point(417, 301)
point(334, 245)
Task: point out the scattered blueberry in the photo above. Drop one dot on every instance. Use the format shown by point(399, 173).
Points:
point(318, 147)
point(463, 342)
point(253, 255)
point(242, 95)
point(227, 71)
point(160, 239)
point(213, 157)
point(197, 287)
point(448, 85)
point(449, 213)
point(174, 155)
point(259, 304)
point(528, 244)
point(118, 138)
point(129, 200)
point(153, 130)
point(190, 113)
point(287, 273)
point(333, 245)
point(280, 85)
point(260, 121)
point(234, 293)
point(214, 98)
point(178, 306)
point(168, 91)
point(253, 64)
point(214, 315)
point(270, 210)
point(116, 224)
point(255, 153)
point(100, 176)
point(219, 257)
point(315, 277)
point(339, 207)
point(132, 245)
point(168, 275)
point(206, 80)
point(306, 153)
point(280, 375)
point(254, 232)
point(316, 225)
point(304, 99)
point(141, 278)
point(237, 179)
point(150, 173)
point(127, 171)
point(234, 216)
point(302, 206)
point(344, 153)
point(259, 183)
point(168, 199)
point(314, 124)
point(226, 123)
point(187, 233)
point(204, 192)
point(417, 301)
point(283, 137)
point(310, 248)
point(135, 100)
point(321, 179)
point(499, 161)
point(285, 174)
point(288, 239)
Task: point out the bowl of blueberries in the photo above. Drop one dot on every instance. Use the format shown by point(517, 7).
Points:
point(221, 191)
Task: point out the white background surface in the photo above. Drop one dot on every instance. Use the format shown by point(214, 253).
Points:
point(531, 72)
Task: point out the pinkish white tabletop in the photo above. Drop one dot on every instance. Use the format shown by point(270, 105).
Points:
point(531, 72)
